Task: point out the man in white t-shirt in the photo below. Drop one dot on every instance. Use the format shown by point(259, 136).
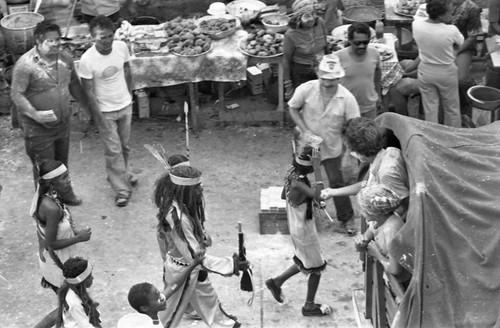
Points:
point(105, 74)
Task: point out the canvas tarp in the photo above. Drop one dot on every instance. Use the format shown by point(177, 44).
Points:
point(453, 224)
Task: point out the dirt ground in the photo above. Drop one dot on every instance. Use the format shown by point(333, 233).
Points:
point(237, 161)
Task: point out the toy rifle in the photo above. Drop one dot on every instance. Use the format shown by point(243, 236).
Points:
point(246, 282)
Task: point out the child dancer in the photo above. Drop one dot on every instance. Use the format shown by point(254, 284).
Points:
point(76, 308)
point(307, 259)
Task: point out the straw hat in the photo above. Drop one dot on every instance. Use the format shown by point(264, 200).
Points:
point(329, 67)
point(217, 9)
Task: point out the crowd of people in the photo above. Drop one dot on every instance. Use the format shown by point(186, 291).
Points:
point(333, 102)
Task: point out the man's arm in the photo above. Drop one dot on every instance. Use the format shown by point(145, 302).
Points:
point(93, 107)
point(297, 119)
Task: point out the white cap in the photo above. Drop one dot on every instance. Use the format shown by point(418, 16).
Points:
point(217, 9)
point(329, 67)
point(135, 320)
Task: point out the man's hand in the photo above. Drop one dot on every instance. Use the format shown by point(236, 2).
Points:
point(327, 193)
point(45, 116)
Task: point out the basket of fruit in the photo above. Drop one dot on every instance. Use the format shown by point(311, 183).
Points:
point(186, 39)
point(277, 23)
point(262, 44)
point(218, 27)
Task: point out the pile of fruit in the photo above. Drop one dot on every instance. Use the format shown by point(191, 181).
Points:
point(185, 38)
point(216, 25)
point(407, 7)
point(263, 44)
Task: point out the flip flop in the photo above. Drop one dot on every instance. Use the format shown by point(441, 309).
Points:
point(318, 310)
point(275, 290)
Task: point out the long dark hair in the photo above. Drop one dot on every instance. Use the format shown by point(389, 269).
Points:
point(71, 269)
point(189, 199)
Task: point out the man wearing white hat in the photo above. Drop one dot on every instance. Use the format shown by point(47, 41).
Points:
point(320, 107)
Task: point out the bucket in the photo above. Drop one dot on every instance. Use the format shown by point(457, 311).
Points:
point(485, 98)
point(18, 31)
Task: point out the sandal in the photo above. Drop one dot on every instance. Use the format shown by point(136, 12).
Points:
point(275, 290)
point(350, 227)
point(318, 310)
point(121, 201)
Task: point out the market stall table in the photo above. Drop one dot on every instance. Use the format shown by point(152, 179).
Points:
point(398, 21)
point(223, 63)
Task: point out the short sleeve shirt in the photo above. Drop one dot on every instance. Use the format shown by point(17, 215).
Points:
point(108, 75)
point(323, 120)
point(389, 169)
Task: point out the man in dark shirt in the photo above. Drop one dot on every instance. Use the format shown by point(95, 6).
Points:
point(42, 82)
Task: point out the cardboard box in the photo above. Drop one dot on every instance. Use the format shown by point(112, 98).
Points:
point(254, 75)
point(272, 217)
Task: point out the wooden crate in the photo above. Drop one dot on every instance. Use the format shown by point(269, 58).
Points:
point(272, 216)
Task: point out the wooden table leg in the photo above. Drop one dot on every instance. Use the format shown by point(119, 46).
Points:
point(281, 91)
point(193, 104)
point(220, 86)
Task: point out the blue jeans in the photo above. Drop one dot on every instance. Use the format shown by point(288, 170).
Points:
point(342, 204)
point(116, 149)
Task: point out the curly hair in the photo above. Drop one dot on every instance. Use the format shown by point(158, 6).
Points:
point(101, 22)
point(188, 198)
point(436, 8)
point(363, 136)
point(71, 269)
point(358, 27)
point(138, 295)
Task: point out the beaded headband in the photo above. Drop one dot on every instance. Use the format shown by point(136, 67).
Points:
point(81, 277)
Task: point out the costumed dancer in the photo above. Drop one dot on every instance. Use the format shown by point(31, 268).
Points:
point(181, 217)
point(76, 307)
point(57, 234)
point(299, 196)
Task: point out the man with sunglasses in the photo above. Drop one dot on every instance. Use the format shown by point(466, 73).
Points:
point(320, 107)
point(362, 69)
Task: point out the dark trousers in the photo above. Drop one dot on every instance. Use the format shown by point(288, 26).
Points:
point(342, 204)
point(46, 144)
